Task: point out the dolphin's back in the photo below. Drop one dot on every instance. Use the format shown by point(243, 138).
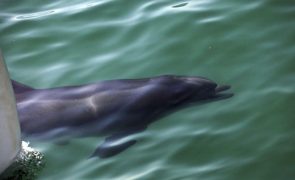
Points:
point(19, 87)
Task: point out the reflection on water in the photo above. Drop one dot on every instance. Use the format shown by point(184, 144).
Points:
point(64, 10)
point(246, 44)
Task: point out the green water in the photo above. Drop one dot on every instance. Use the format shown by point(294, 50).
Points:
point(248, 44)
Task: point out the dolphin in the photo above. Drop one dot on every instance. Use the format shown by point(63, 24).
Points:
point(113, 108)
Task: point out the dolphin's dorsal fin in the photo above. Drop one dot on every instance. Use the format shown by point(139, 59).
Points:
point(19, 87)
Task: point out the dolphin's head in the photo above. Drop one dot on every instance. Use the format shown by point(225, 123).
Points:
point(208, 90)
point(199, 90)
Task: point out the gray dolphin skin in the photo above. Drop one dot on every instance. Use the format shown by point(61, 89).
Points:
point(115, 108)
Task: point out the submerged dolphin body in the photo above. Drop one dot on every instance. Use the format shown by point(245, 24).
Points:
point(116, 108)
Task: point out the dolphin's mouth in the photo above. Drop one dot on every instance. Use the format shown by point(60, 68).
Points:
point(221, 92)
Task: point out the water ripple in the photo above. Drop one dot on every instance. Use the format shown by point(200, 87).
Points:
point(64, 10)
point(248, 45)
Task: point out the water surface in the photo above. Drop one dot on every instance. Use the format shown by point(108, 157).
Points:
point(248, 44)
